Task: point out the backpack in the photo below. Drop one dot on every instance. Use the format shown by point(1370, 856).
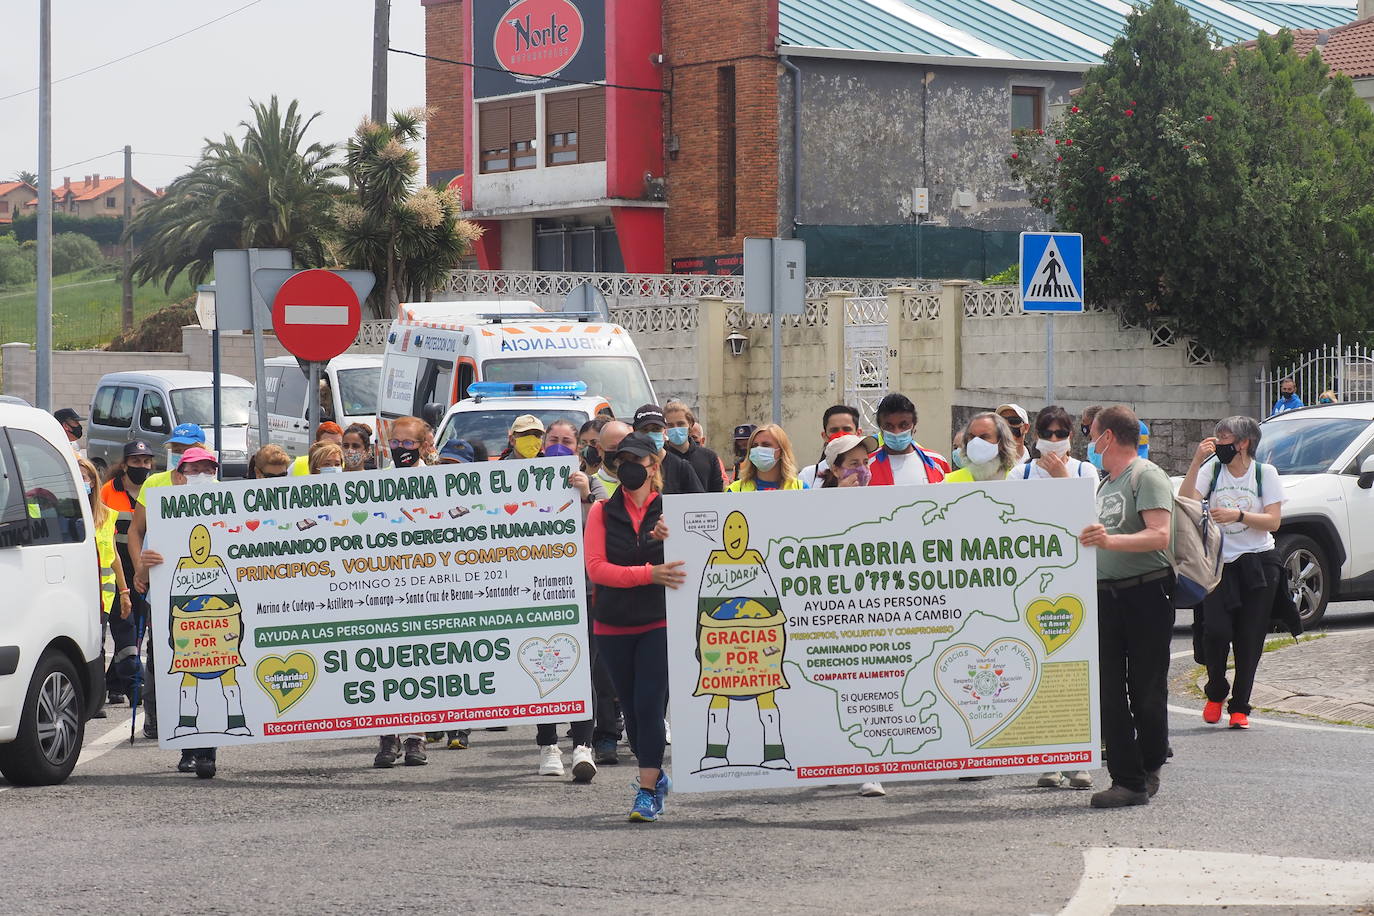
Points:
point(1195, 546)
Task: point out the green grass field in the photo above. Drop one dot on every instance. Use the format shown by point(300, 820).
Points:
point(85, 309)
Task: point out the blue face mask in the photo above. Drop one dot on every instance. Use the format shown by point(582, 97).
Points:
point(1093, 457)
point(763, 458)
point(956, 458)
point(657, 439)
point(897, 442)
point(677, 435)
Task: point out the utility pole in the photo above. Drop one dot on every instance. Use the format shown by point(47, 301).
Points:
point(42, 383)
point(381, 40)
point(127, 306)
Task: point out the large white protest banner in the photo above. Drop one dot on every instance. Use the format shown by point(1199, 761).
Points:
point(847, 635)
point(369, 603)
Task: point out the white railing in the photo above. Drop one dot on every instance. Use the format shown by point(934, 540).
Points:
point(921, 306)
point(642, 319)
point(990, 301)
point(1346, 370)
point(865, 310)
point(817, 315)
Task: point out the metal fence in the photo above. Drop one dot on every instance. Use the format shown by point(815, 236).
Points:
point(1345, 370)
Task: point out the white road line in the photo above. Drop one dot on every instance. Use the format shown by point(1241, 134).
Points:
point(1192, 878)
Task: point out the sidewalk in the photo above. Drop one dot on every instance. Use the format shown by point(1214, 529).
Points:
point(1330, 678)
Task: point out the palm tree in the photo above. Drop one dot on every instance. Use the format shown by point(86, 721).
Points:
point(29, 178)
point(270, 191)
point(409, 238)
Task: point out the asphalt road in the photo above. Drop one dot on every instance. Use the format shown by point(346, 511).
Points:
point(311, 827)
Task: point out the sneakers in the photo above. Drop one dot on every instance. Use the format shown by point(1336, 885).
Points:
point(415, 752)
point(645, 807)
point(1052, 780)
point(150, 728)
point(205, 767)
point(550, 760)
point(583, 766)
point(187, 763)
point(872, 790)
point(458, 741)
point(1240, 720)
point(114, 698)
point(604, 753)
point(662, 787)
point(1118, 796)
point(1211, 713)
point(435, 737)
point(1152, 783)
point(390, 746)
point(1082, 780)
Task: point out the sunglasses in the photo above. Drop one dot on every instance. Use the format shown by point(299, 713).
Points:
point(1055, 434)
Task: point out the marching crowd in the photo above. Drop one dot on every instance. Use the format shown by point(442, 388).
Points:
point(626, 465)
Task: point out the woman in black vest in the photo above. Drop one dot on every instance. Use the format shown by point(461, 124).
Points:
point(624, 549)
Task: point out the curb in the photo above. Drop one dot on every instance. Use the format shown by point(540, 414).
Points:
point(1327, 709)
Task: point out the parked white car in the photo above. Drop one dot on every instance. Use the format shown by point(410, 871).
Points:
point(1325, 455)
point(488, 416)
point(52, 675)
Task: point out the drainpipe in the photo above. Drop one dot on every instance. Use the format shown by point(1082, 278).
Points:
point(796, 141)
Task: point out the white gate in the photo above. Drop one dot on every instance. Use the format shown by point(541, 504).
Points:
point(1347, 370)
point(866, 378)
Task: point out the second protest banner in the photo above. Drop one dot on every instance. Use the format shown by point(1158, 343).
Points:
point(857, 634)
point(369, 603)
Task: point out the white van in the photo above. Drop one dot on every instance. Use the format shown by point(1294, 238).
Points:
point(52, 676)
point(436, 350)
point(351, 381)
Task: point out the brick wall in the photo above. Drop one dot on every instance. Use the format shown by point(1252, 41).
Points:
point(444, 21)
point(739, 34)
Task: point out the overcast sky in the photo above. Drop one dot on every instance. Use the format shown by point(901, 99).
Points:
point(169, 99)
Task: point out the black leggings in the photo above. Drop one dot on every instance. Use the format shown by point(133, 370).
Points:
point(1249, 622)
point(638, 666)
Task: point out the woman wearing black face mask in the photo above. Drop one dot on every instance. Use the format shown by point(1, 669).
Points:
point(1246, 499)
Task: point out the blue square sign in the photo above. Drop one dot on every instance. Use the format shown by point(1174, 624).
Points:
point(1051, 272)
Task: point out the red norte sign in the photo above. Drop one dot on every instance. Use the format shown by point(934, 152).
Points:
point(539, 37)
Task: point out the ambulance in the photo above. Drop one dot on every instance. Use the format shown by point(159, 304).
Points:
point(435, 351)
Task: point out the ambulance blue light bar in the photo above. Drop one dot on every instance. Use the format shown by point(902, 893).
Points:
point(528, 389)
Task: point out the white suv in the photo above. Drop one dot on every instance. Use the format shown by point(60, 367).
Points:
point(487, 416)
point(51, 670)
point(1326, 458)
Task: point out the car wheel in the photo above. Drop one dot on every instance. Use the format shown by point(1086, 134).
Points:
point(1309, 576)
point(51, 727)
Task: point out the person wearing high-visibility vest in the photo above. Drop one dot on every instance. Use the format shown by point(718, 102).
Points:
point(119, 495)
point(328, 431)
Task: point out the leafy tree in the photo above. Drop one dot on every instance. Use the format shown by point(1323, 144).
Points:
point(16, 265)
point(29, 178)
point(72, 251)
point(408, 236)
point(1223, 192)
point(270, 191)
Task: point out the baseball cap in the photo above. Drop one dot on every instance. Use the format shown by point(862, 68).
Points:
point(649, 415)
point(188, 434)
point(457, 450)
point(744, 430)
point(66, 415)
point(841, 444)
point(1016, 409)
point(527, 423)
point(137, 447)
point(637, 444)
point(197, 454)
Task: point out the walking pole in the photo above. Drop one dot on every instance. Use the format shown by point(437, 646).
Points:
point(138, 678)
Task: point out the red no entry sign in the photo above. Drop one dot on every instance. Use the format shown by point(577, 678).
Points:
point(316, 315)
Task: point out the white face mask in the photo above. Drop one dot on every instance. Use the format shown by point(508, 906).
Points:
point(981, 451)
point(331, 470)
point(1052, 446)
point(200, 480)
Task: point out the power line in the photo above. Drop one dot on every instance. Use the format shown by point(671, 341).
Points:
point(139, 152)
point(15, 95)
point(113, 152)
point(532, 76)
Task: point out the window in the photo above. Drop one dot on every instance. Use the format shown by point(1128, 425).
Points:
point(505, 134)
point(197, 405)
point(436, 379)
point(153, 416)
point(575, 127)
point(4, 206)
point(725, 152)
point(114, 406)
point(466, 377)
point(14, 528)
point(1027, 108)
point(291, 392)
point(358, 390)
point(1354, 467)
point(51, 503)
point(110, 203)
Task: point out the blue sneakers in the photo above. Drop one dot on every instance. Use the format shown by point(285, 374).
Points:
point(662, 788)
point(646, 806)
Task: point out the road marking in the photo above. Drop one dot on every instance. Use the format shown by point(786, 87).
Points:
point(1191, 878)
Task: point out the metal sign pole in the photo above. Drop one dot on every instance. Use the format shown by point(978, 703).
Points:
point(313, 399)
point(257, 311)
point(219, 429)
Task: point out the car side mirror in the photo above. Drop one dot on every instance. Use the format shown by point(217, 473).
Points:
point(1367, 473)
point(155, 423)
point(433, 414)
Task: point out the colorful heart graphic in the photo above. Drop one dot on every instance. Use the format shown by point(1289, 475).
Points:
point(359, 517)
point(253, 525)
point(183, 642)
point(512, 508)
point(285, 680)
point(550, 661)
point(1055, 622)
point(711, 657)
point(986, 700)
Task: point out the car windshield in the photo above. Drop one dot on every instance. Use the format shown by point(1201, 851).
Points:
point(358, 390)
point(491, 426)
point(618, 379)
point(197, 405)
point(1307, 445)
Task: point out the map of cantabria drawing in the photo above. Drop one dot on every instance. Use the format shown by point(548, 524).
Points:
point(913, 631)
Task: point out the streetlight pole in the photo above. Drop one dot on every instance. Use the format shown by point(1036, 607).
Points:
point(381, 40)
point(42, 387)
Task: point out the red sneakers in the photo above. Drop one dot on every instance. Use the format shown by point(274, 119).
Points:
point(1239, 719)
point(1211, 713)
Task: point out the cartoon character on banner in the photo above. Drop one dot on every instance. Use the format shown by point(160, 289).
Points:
point(741, 639)
point(205, 632)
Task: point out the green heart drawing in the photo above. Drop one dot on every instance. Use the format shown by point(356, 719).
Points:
point(711, 657)
point(280, 677)
point(183, 642)
point(359, 517)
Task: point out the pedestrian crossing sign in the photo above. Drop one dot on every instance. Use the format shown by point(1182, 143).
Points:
point(1051, 272)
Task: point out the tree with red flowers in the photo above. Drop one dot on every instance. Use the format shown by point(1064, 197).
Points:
point(1227, 192)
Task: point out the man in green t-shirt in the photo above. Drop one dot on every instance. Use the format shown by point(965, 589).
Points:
point(1135, 608)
